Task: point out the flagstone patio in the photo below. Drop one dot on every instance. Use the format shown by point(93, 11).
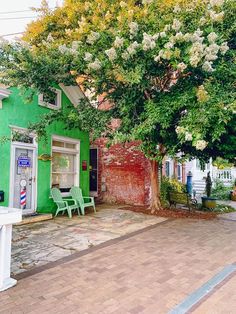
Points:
point(44, 242)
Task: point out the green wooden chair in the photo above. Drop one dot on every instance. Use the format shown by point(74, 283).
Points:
point(62, 203)
point(76, 194)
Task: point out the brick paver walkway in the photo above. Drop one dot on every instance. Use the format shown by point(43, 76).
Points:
point(149, 273)
point(221, 301)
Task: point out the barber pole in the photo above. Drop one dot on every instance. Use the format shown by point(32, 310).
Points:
point(23, 198)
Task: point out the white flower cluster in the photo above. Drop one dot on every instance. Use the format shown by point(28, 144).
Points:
point(176, 25)
point(224, 48)
point(92, 65)
point(111, 53)
point(63, 49)
point(195, 37)
point(123, 4)
point(216, 17)
point(93, 37)
point(163, 34)
point(181, 66)
point(86, 5)
point(132, 49)
point(201, 52)
point(177, 9)
point(179, 130)
point(133, 28)
point(216, 3)
point(96, 65)
point(212, 37)
point(188, 136)
point(73, 50)
point(201, 145)
point(118, 42)
point(82, 23)
point(207, 66)
point(196, 53)
point(147, 1)
point(149, 41)
point(211, 52)
point(50, 38)
point(88, 57)
point(163, 54)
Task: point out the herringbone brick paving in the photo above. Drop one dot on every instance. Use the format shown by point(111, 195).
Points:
point(148, 273)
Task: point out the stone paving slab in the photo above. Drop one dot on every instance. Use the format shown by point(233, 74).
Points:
point(43, 242)
point(150, 273)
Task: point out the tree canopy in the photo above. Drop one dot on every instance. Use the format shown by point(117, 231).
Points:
point(166, 67)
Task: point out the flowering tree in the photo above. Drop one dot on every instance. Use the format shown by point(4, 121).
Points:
point(166, 68)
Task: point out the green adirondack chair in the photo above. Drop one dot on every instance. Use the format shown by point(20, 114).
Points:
point(63, 203)
point(76, 194)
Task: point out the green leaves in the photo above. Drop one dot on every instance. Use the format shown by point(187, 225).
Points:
point(162, 68)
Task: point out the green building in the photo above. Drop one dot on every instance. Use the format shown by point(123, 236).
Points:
point(30, 167)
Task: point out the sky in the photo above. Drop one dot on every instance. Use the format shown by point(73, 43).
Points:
point(15, 22)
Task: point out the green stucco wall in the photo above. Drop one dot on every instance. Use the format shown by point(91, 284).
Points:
point(16, 111)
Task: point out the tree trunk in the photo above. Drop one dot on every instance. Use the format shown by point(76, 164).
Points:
point(155, 187)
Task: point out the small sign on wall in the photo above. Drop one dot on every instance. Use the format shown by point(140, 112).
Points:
point(84, 165)
point(24, 162)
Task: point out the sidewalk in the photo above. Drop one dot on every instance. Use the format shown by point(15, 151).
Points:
point(150, 272)
point(40, 243)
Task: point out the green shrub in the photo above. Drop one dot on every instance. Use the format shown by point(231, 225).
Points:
point(170, 185)
point(220, 191)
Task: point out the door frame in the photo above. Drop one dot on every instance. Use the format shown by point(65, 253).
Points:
point(34, 148)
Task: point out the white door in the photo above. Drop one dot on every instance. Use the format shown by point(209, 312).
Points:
point(23, 178)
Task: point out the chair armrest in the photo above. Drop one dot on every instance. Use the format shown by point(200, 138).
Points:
point(62, 202)
point(90, 197)
point(69, 200)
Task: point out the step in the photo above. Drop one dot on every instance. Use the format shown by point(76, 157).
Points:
point(29, 219)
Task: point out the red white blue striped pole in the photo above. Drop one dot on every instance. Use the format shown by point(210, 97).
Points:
point(23, 198)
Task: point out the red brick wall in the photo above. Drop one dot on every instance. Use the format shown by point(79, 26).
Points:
point(123, 174)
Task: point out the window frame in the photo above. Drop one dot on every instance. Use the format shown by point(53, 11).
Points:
point(42, 103)
point(179, 172)
point(70, 151)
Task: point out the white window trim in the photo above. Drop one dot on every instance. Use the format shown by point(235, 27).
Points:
point(18, 129)
point(75, 152)
point(48, 105)
point(180, 179)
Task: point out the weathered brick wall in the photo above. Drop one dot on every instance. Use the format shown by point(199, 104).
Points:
point(123, 174)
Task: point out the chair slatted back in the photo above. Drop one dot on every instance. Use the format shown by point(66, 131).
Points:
point(57, 198)
point(76, 194)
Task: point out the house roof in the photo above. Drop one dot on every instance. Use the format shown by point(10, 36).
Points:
point(4, 93)
point(74, 93)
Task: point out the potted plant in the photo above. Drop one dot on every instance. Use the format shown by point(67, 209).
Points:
point(208, 201)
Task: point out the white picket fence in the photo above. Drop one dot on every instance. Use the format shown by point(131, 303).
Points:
point(227, 176)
